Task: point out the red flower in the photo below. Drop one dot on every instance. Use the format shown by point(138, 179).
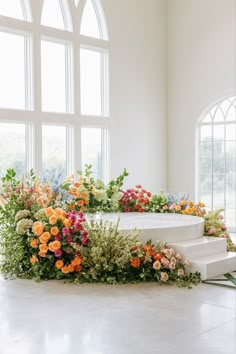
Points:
point(135, 262)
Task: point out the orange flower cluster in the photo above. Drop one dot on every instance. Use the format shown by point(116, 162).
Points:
point(49, 238)
point(80, 198)
point(193, 209)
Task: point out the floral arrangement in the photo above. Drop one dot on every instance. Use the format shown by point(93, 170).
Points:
point(45, 233)
point(214, 226)
point(90, 195)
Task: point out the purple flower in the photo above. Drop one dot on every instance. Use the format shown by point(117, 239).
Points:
point(58, 253)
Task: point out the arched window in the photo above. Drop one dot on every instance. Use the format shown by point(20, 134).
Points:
point(54, 100)
point(217, 159)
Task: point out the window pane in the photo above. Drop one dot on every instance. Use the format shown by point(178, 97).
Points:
point(12, 152)
point(91, 142)
point(206, 150)
point(206, 183)
point(218, 132)
point(52, 14)
point(11, 8)
point(231, 132)
point(53, 77)
point(54, 151)
point(12, 71)
point(205, 165)
point(89, 23)
point(90, 81)
point(206, 133)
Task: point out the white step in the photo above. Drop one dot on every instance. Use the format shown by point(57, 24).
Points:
point(212, 266)
point(200, 247)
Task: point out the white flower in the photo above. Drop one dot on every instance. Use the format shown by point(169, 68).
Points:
point(22, 214)
point(100, 195)
point(116, 197)
point(23, 226)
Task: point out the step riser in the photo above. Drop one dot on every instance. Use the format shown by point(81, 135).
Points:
point(192, 252)
point(209, 270)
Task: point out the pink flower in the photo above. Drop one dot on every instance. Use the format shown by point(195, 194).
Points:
point(173, 260)
point(211, 231)
point(66, 231)
point(223, 228)
point(172, 266)
point(165, 207)
point(58, 253)
point(69, 239)
point(58, 237)
point(84, 240)
point(156, 265)
point(85, 233)
point(178, 257)
point(187, 263)
point(164, 276)
point(222, 236)
point(180, 272)
point(167, 252)
point(172, 206)
point(165, 262)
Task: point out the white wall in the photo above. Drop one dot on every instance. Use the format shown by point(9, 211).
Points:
point(138, 64)
point(201, 70)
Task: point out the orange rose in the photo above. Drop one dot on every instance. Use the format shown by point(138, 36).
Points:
point(183, 202)
point(54, 246)
point(66, 222)
point(77, 184)
point(53, 219)
point(158, 256)
point(135, 262)
point(71, 268)
point(73, 191)
point(43, 247)
point(34, 243)
point(77, 261)
point(178, 207)
point(34, 259)
point(54, 231)
point(191, 204)
point(38, 228)
point(81, 202)
point(42, 254)
point(65, 270)
point(59, 264)
point(49, 211)
point(71, 206)
point(44, 238)
point(82, 209)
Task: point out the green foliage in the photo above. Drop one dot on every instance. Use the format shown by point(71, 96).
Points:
point(214, 226)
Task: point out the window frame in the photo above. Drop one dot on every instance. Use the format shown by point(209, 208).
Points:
point(34, 117)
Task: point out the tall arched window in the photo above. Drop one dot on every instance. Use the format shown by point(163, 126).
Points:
point(217, 159)
point(54, 99)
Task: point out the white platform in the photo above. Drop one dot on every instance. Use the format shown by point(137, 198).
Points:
point(184, 233)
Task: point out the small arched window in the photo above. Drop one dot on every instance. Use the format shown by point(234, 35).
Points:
point(217, 159)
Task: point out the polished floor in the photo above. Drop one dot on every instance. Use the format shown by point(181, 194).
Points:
point(57, 318)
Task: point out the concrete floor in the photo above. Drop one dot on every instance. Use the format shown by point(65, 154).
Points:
point(57, 318)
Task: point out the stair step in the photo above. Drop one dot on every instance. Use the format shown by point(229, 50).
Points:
point(202, 246)
point(214, 265)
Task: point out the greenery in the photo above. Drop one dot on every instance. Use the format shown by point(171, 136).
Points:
point(45, 235)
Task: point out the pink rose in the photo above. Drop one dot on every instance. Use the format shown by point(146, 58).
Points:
point(164, 276)
point(156, 265)
point(172, 266)
point(173, 260)
point(165, 262)
point(180, 272)
point(187, 263)
point(223, 228)
point(165, 207)
point(58, 253)
point(167, 252)
point(172, 206)
point(211, 231)
point(178, 257)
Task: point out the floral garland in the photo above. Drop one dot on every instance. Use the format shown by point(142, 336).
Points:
point(46, 235)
